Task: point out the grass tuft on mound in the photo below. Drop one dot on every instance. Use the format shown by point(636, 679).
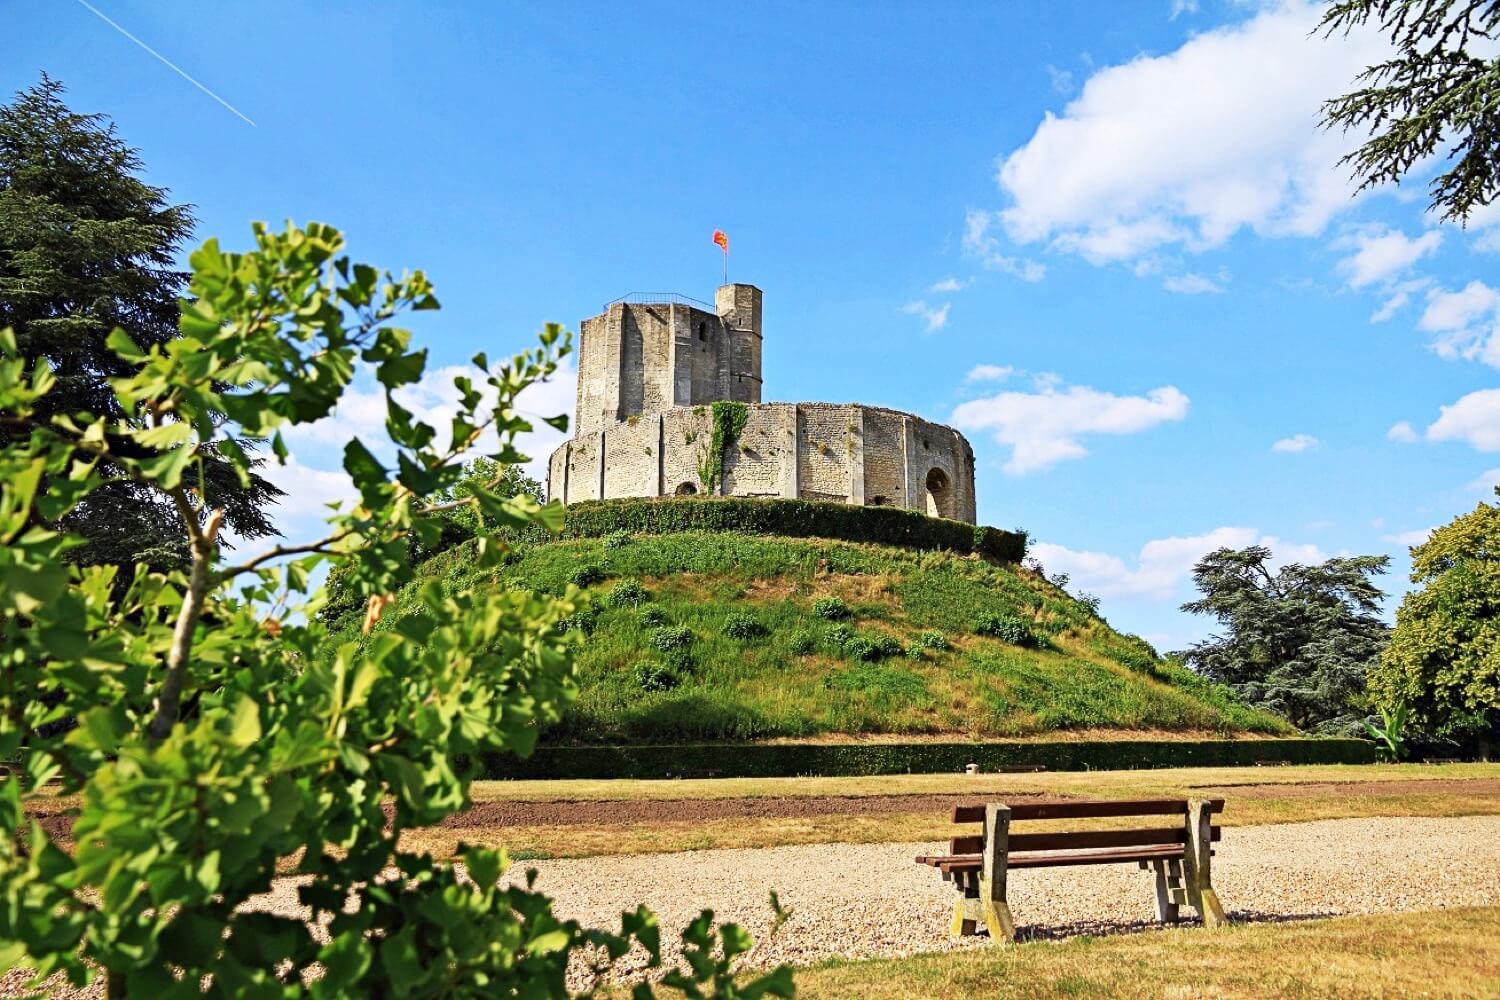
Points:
point(725, 637)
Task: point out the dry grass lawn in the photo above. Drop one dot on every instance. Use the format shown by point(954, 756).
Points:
point(1446, 953)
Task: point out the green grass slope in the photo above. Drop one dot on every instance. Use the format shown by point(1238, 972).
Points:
point(697, 636)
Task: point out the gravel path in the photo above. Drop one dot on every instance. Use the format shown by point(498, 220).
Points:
point(865, 900)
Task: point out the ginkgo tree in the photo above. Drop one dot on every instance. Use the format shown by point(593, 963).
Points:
point(208, 746)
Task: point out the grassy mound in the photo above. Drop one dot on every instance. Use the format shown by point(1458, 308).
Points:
point(697, 636)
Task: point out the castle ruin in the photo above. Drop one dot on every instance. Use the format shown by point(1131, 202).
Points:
point(650, 368)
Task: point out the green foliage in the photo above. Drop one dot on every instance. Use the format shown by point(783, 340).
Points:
point(933, 640)
point(776, 760)
point(742, 626)
point(672, 639)
point(838, 636)
point(617, 540)
point(1297, 642)
point(627, 594)
point(793, 519)
point(728, 422)
point(587, 575)
point(655, 676)
point(1006, 628)
point(87, 248)
point(651, 616)
point(223, 739)
point(1441, 661)
point(832, 608)
point(871, 647)
point(1388, 734)
point(802, 644)
point(1438, 93)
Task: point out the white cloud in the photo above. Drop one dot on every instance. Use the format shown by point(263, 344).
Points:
point(1162, 564)
point(1408, 538)
point(990, 373)
point(1062, 80)
point(1190, 284)
point(1485, 482)
point(950, 285)
point(1380, 254)
point(1474, 419)
point(936, 317)
point(1402, 432)
point(980, 241)
point(434, 400)
point(1399, 295)
point(1180, 7)
point(1192, 146)
point(1042, 428)
point(1465, 323)
point(1295, 444)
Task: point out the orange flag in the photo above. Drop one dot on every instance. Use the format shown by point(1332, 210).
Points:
point(721, 240)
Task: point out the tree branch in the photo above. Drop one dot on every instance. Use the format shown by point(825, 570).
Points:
point(169, 699)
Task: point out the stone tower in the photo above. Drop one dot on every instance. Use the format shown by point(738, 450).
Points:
point(653, 352)
point(649, 365)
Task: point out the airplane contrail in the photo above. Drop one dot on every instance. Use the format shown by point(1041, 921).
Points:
point(170, 65)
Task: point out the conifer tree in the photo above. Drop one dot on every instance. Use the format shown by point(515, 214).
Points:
point(86, 246)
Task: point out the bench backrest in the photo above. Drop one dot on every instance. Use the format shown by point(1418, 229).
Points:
point(1137, 836)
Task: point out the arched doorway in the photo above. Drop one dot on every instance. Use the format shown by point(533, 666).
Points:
point(687, 490)
point(939, 494)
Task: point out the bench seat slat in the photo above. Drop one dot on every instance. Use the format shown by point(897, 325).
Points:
point(1070, 840)
point(1085, 809)
point(948, 864)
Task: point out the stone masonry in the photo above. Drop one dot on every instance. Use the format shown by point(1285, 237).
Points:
point(649, 368)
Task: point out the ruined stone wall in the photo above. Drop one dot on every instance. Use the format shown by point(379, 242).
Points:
point(816, 451)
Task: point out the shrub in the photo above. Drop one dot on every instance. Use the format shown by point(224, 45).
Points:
point(832, 608)
point(838, 636)
point(803, 644)
point(617, 540)
point(651, 616)
point(582, 620)
point(1006, 628)
point(627, 593)
point(587, 575)
point(932, 640)
point(914, 650)
point(743, 626)
point(653, 676)
point(871, 647)
point(672, 639)
point(792, 518)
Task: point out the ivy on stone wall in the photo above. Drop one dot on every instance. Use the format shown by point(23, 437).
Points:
point(728, 422)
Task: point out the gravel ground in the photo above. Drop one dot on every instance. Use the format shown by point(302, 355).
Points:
point(865, 900)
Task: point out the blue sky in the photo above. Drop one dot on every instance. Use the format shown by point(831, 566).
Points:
point(1107, 240)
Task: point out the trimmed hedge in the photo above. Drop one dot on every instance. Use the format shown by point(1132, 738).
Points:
point(783, 760)
point(794, 519)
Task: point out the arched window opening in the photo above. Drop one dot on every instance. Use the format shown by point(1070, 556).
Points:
point(879, 501)
point(687, 490)
point(939, 494)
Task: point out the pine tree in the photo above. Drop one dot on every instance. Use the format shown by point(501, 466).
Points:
point(85, 247)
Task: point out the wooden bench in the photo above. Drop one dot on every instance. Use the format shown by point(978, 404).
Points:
point(1179, 855)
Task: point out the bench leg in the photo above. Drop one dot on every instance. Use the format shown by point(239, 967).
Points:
point(1166, 904)
point(1197, 870)
point(992, 901)
point(965, 917)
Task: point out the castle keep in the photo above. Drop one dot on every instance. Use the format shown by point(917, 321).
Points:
point(650, 368)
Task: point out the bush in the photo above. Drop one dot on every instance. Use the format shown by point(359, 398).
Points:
point(932, 640)
point(1006, 628)
point(651, 616)
point(791, 518)
point(803, 644)
point(627, 593)
point(672, 639)
point(580, 621)
point(617, 540)
point(832, 608)
point(838, 636)
point(743, 626)
point(653, 676)
point(914, 650)
point(871, 647)
point(587, 575)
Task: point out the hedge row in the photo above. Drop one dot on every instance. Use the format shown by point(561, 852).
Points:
point(783, 760)
point(792, 518)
